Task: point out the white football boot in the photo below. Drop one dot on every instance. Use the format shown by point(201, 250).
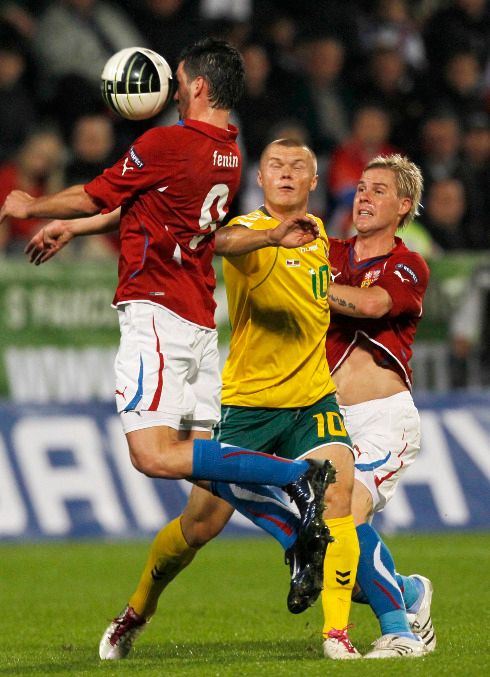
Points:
point(394, 646)
point(421, 621)
point(119, 636)
point(338, 646)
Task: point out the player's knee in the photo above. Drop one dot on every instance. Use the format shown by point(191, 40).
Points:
point(141, 461)
point(200, 534)
point(150, 463)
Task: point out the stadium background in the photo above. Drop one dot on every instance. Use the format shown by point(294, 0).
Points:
point(64, 470)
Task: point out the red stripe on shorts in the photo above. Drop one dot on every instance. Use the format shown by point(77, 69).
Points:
point(158, 392)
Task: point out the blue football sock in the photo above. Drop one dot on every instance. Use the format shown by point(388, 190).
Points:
point(214, 460)
point(376, 577)
point(412, 591)
point(265, 506)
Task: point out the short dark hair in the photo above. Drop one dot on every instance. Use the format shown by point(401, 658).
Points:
point(222, 67)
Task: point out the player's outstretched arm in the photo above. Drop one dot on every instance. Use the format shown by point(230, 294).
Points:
point(290, 233)
point(70, 203)
point(55, 235)
point(356, 302)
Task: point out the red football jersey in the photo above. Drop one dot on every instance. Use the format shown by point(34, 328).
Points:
point(175, 184)
point(405, 275)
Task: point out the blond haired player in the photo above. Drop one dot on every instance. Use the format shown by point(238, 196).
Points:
point(376, 303)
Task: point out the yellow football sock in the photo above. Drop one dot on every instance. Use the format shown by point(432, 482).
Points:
point(339, 573)
point(169, 554)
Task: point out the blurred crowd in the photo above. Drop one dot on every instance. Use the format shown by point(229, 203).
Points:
point(352, 78)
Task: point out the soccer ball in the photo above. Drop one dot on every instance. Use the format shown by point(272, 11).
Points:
point(136, 83)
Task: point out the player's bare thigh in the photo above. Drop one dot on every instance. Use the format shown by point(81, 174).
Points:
point(339, 495)
point(160, 451)
point(163, 451)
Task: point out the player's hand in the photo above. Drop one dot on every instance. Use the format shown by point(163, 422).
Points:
point(16, 205)
point(294, 232)
point(48, 241)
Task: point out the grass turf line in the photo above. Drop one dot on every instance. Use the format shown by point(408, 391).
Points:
point(226, 614)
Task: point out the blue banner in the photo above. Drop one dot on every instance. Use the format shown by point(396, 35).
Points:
point(448, 486)
point(65, 473)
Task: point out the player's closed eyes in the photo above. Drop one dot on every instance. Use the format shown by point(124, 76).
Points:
point(296, 168)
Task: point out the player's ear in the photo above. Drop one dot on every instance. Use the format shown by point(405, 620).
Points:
point(199, 85)
point(259, 178)
point(314, 183)
point(405, 206)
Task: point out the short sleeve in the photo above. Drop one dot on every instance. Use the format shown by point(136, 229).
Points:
point(147, 163)
point(405, 278)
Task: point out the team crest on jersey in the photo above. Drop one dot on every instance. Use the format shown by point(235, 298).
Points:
point(292, 263)
point(370, 277)
point(136, 158)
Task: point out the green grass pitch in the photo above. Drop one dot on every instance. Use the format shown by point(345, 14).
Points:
point(226, 615)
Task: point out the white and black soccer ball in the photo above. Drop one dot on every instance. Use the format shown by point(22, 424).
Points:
point(136, 83)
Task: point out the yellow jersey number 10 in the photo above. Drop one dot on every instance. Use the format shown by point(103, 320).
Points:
point(320, 280)
point(335, 424)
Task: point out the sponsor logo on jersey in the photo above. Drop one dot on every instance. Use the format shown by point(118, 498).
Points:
point(403, 279)
point(135, 158)
point(334, 275)
point(406, 269)
point(293, 263)
point(230, 160)
point(311, 248)
point(125, 167)
point(370, 277)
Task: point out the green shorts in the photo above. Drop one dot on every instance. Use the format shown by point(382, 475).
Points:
point(289, 433)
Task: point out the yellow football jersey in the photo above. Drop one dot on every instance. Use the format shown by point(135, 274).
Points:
point(278, 308)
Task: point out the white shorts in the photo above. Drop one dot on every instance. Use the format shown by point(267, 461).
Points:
point(167, 370)
point(385, 434)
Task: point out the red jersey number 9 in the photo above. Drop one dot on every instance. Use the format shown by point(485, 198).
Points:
point(212, 211)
